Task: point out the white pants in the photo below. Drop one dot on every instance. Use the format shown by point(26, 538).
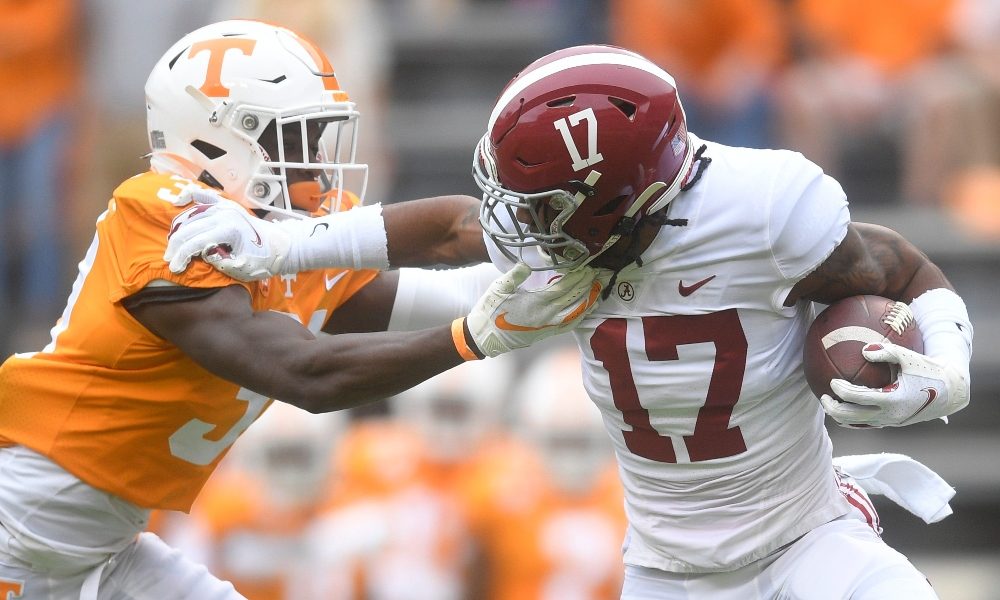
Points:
point(843, 559)
point(61, 539)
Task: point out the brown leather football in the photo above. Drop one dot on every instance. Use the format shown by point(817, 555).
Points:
point(835, 340)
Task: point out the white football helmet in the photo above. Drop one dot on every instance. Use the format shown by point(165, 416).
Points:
point(234, 103)
point(554, 413)
point(457, 410)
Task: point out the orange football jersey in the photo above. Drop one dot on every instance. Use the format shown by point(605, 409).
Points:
point(120, 408)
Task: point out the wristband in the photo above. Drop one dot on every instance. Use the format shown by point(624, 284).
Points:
point(944, 324)
point(460, 337)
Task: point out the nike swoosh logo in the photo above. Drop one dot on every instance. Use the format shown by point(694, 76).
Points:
point(325, 226)
point(595, 293)
point(332, 281)
point(931, 396)
point(502, 323)
point(687, 290)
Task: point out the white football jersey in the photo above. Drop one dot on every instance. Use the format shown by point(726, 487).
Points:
point(697, 367)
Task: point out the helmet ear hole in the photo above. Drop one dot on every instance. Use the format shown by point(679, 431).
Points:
point(611, 206)
point(561, 102)
point(211, 151)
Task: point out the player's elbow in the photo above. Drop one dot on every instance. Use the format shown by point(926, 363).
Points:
point(322, 395)
point(316, 406)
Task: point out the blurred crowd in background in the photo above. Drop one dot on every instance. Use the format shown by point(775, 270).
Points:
point(469, 487)
point(898, 99)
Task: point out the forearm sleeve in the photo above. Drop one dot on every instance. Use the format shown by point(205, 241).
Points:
point(354, 239)
point(944, 323)
point(427, 298)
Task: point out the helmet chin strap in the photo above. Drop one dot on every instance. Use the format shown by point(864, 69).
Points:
point(627, 223)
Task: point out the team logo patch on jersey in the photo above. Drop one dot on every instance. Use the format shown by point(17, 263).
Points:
point(626, 291)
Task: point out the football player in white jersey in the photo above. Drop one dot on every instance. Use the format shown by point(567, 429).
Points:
point(694, 354)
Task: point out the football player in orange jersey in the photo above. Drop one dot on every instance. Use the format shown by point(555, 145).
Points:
point(151, 375)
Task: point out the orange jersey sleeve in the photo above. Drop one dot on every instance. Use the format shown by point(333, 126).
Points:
point(119, 407)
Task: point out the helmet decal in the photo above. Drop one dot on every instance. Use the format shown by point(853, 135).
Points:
point(322, 67)
point(593, 156)
point(217, 49)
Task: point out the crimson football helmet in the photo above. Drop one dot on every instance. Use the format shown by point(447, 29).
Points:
point(255, 110)
point(581, 145)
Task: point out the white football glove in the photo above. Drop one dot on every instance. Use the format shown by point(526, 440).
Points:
point(925, 389)
point(508, 316)
point(230, 239)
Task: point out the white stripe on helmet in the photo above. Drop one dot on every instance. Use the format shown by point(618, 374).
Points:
point(569, 62)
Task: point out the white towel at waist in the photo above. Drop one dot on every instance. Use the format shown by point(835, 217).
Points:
point(903, 480)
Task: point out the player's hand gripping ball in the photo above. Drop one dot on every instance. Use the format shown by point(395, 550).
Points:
point(837, 336)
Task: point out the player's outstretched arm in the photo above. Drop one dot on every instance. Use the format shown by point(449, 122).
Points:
point(273, 355)
point(432, 231)
point(876, 260)
point(443, 230)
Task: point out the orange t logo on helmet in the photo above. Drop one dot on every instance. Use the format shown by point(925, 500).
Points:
point(216, 52)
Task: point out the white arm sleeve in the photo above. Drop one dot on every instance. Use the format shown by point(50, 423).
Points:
point(945, 326)
point(354, 239)
point(427, 298)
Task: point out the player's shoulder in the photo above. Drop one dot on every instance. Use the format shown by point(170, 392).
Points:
point(156, 192)
point(151, 196)
point(152, 186)
point(759, 164)
point(770, 183)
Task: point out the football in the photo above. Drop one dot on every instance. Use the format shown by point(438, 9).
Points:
point(835, 339)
